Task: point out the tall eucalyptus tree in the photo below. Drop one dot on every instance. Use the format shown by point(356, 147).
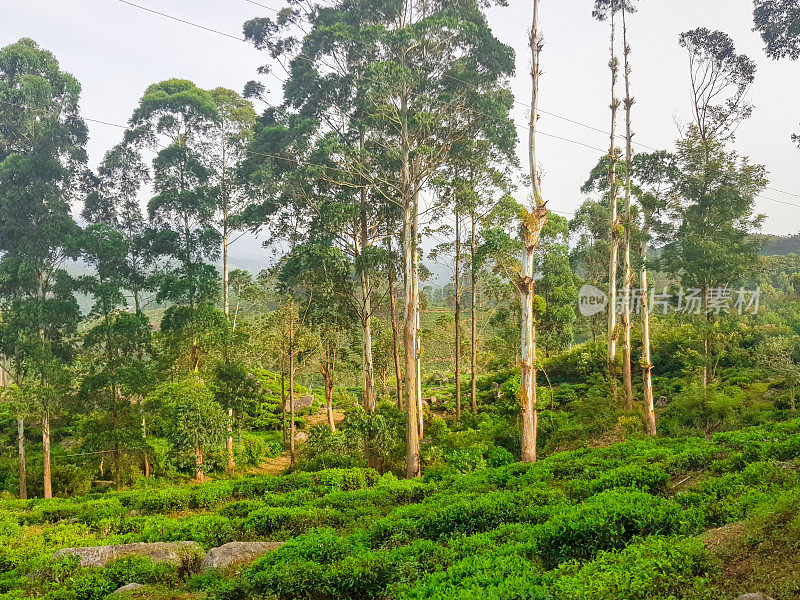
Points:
point(42, 157)
point(533, 222)
point(174, 117)
point(412, 105)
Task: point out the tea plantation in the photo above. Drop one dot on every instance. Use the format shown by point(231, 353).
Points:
point(643, 518)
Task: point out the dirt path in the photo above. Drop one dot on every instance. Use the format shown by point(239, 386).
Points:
point(279, 464)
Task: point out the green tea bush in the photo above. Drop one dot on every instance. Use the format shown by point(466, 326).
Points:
point(256, 449)
point(648, 478)
point(96, 584)
point(168, 500)
point(271, 521)
point(607, 521)
point(497, 456)
point(210, 495)
point(474, 514)
point(657, 568)
point(208, 530)
point(339, 571)
point(577, 364)
point(492, 576)
point(239, 509)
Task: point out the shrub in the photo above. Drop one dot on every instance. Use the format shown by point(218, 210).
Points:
point(606, 521)
point(498, 457)
point(210, 495)
point(664, 568)
point(648, 478)
point(492, 576)
point(240, 508)
point(267, 522)
point(577, 364)
point(474, 514)
point(167, 500)
point(138, 569)
point(208, 530)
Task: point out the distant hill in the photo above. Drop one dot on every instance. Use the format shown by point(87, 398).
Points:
point(778, 245)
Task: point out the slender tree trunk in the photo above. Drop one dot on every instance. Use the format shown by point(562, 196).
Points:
point(198, 451)
point(117, 455)
point(647, 361)
point(628, 276)
point(48, 482)
point(283, 401)
point(23, 476)
point(532, 228)
point(474, 316)
point(458, 314)
point(413, 467)
point(395, 338)
point(329, 374)
point(792, 399)
point(291, 385)
point(137, 303)
point(612, 197)
point(225, 280)
point(146, 454)
point(225, 218)
point(706, 379)
point(23, 472)
point(229, 441)
point(369, 400)
point(420, 412)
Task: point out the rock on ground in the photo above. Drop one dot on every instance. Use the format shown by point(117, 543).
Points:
point(758, 596)
point(300, 403)
point(236, 553)
point(131, 587)
point(180, 554)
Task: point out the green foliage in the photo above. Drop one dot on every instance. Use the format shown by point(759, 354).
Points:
point(695, 411)
point(577, 364)
point(585, 523)
point(192, 417)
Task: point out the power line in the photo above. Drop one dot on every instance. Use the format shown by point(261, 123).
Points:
point(772, 189)
point(298, 162)
point(203, 27)
point(184, 21)
point(456, 79)
point(244, 40)
point(275, 10)
point(197, 26)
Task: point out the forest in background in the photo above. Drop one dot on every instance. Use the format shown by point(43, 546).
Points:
point(394, 148)
point(587, 392)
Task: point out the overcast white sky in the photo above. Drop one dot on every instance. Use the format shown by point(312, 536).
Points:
point(116, 51)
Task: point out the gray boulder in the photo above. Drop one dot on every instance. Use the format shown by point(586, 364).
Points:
point(300, 403)
point(757, 596)
point(181, 554)
point(236, 553)
point(125, 589)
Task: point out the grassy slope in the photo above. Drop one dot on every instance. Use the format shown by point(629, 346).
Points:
point(638, 519)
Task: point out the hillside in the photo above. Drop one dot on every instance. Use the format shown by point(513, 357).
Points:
point(642, 518)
